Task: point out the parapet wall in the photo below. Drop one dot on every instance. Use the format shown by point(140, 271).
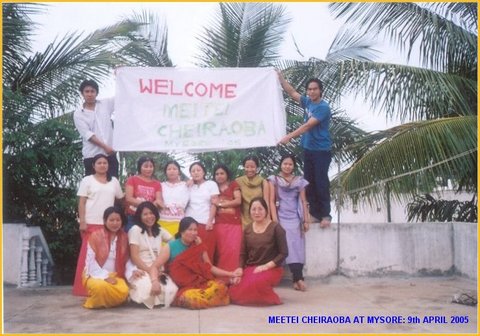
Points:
point(364, 249)
point(393, 248)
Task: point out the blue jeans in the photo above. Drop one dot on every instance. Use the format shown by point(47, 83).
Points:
point(315, 169)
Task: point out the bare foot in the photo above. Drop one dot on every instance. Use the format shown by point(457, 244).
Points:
point(300, 286)
point(325, 222)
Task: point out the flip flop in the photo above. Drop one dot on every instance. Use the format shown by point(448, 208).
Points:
point(465, 299)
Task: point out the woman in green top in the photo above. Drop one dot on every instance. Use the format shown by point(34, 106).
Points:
point(190, 268)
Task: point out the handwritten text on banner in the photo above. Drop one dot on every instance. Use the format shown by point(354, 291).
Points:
point(169, 109)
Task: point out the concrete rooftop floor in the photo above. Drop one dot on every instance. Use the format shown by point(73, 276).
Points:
point(54, 310)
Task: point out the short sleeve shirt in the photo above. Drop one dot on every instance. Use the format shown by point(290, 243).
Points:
point(317, 138)
point(99, 197)
point(199, 204)
point(136, 237)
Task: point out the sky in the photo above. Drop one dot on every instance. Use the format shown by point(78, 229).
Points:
point(312, 27)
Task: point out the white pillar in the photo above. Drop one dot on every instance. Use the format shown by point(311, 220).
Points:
point(24, 260)
point(49, 276)
point(44, 272)
point(32, 274)
point(38, 260)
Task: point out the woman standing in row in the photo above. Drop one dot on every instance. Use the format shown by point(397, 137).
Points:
point(175, 195)
point(142, 187)
point(288, 204)
point(96, 193)
point(201, 206)
point(228, 225)
point(251, 185)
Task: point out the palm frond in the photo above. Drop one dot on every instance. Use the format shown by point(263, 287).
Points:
point(402, 91)
point(17, 32)
point(148, 46)
point(243, 35)
point(442, 44)
point(49, 80)
point(349, 46)
point(412, 157)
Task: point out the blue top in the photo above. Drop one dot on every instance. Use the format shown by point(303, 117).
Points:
point(176, 247)
point(317, 138)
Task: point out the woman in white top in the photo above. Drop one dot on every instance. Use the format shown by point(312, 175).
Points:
point(175, 196)
point(96, 193)
point(201, 206)
point(145, 239)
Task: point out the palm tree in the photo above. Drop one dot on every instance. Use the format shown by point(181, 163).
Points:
point(242, 35)
point(249, 35)
point(438, 97)
point(443, 87)
point(41, 149)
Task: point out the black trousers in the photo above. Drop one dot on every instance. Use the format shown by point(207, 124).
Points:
point(297, 271)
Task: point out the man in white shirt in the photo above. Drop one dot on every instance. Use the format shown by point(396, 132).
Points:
point(93, 121)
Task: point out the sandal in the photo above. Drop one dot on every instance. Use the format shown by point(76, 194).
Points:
point(465, 299)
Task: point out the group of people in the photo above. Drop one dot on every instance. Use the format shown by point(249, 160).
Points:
point(195, 243)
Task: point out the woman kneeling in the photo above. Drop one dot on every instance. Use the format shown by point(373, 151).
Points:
point(190, 268)
point(264, 248)
point(107, 253)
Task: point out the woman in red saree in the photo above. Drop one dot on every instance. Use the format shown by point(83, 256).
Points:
point(228, 224)
point(190, 268)
point(264, 248)
point(107, 254)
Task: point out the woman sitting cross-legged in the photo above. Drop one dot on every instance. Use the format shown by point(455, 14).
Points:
point(107, 253)
point(190, 268)
point(264, 248)
point(145, 239)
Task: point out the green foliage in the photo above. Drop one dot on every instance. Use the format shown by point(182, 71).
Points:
point(42, 162)
point(439, 97)
point(428, 208)
point(243, 35)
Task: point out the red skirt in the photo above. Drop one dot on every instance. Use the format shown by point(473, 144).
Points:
point(208, 238)
point(228, 240)
point(256, 289)
point(78, 288)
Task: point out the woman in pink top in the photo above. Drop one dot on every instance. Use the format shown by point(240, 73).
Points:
point(142, 187)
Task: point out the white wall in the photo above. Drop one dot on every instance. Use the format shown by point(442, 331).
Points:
point(375, 249)
point(12, 252)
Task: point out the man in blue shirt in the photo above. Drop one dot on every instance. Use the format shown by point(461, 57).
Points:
point(316, 144)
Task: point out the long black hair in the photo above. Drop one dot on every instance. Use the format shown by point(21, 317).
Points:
point(142, 160)
point(96, 158)
point(224, 168)
point(184, 225)
point(138, 217)
point(110, 210)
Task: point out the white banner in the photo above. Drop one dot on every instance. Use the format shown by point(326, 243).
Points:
point(171, 109)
